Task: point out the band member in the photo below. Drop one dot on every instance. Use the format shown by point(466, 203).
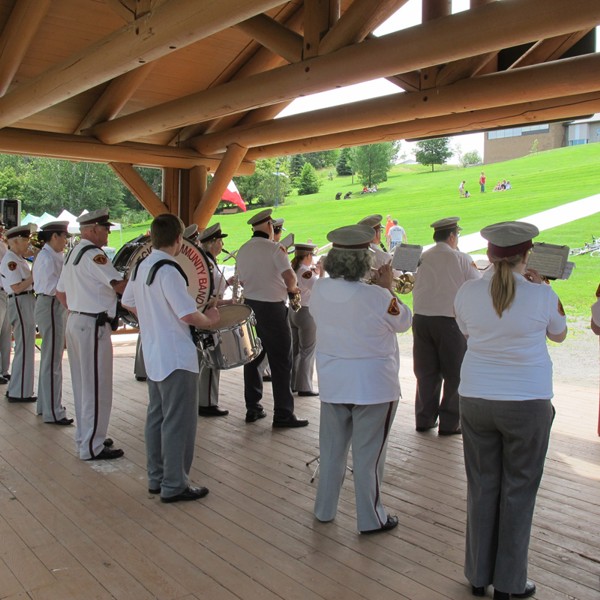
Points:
point(17, 281)
point(157, 291)
point(211, 240)
point(304, 330)
point(438, 345)
point(5, 329)
point(382, 257)
point(88, 287)
point(267, 276)
point(357, 363)
point(51, 317)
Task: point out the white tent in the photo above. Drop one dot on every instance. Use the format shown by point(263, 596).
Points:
point(65, 215)
point(29, 218)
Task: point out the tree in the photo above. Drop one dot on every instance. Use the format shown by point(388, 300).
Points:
point(372, 162)
point(343, 166)
point(309, 182)
point(320, 160)
point(433, 152)
point(262, 184)
point(296, 163)
point(470, 158)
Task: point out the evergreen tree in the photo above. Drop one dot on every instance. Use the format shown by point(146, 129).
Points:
point(433, 152)
point(309, 182)
point(296, 163)
point(343, 166)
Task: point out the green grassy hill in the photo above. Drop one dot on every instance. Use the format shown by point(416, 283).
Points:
point(416, 197)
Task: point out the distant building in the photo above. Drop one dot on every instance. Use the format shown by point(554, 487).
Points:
point(514, 142)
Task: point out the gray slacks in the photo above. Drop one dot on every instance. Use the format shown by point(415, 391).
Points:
point(5, 334)
point(208, 385)
point(139, 367)
point(50, 316)
point(505, 444)
point(304, 344)
point(367, 428)
point(20, 313)
point(171, 431)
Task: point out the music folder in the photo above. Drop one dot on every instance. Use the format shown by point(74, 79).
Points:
point(406, 257)
point(550, 260)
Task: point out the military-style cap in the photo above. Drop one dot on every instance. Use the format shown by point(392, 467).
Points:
point(351, 237)
point(190, 232)
point(305, 248)
point(279, 223)
point(21, 231)
point(56, 227)
point(260, 217)
point(509, 238)
point(212, 233)
point(373, 221)
point(96, 217)
point(447, 223)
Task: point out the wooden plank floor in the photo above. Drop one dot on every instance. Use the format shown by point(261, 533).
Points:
point(71, 529)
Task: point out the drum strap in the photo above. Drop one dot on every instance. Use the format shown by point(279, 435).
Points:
point(161, 263)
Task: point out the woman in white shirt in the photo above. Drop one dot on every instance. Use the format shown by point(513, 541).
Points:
point(505, 405)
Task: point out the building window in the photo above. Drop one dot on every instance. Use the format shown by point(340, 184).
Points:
point(577, 142)
point(518, 131)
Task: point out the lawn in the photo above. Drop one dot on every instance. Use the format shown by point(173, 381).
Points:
point(416, 196)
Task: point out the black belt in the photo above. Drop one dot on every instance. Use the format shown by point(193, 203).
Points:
point(21, 294)
point(87, 314)
point(47, 295)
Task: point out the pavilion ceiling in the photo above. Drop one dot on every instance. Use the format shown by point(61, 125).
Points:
point(193, 84)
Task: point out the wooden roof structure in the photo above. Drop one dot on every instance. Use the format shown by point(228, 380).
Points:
point(194, 87)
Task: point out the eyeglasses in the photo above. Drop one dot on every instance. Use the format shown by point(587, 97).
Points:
point(276, 229)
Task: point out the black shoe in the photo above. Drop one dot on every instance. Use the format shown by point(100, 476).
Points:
point(3, 380)
point(530, 590)
point(108, 442)
point(389, 524)
point(108, 454)
point(154, 490)
point(308, 393)
point(190, 493)
point(452, 432)
point(15, 399)
point(292, 421)
point(141, 378)
point(422, 429)
point(6, 376)
point(254, 414)
point(63, 421)
point(267, 378)
point(478, 590)
point(212, 411)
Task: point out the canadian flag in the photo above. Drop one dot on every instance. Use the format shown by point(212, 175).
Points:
point(231, 194)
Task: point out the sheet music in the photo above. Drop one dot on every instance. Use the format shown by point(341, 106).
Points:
point(549, 260)
point(287, 241)
point(406, 257)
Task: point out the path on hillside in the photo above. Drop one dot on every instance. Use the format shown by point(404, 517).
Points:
point(543, 220)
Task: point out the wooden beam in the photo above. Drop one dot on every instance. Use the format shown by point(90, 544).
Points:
point(316, 25)
point(273, 36)
point(171, 186)
point(449, 38)
point(114, 97)
point(139, 188)
point(409, 82)
point(20, 29)
point(80, 148)
point(361, 18)
point(553, 109)
point(550, 49)
point(431, 10)
point(570, 76)
point(227, 169)
point(465, 68)
point(171, 26)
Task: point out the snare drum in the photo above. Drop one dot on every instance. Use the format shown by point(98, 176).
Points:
point(234, 343)
point(191, 259)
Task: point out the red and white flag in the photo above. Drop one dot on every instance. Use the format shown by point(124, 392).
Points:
point(231, 194)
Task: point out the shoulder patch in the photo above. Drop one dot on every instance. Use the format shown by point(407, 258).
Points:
point(561, 310)
point(394, 307)
point(12, 265)
point(307, 275)
point(100, 259)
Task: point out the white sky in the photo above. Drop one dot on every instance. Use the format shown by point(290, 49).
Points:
point(408, 16)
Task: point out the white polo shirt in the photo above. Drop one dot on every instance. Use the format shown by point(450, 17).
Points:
point(381, 258)
point(46, 270)
point(260, 264)
point(440, 274)
point(306, 280)
point(14, 269)
point(87, 284)
point(507, 358)
point(166, 339)
point(357, 355)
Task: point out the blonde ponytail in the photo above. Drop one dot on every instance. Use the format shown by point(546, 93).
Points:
point(502, 288)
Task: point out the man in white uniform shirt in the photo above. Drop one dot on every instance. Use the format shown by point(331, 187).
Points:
point(17, 281)
point(157, 293)
point(51, 318)
point(88, 287)
point(5, 329)
point(381, 256)
point(438, 344)
point(266, 274)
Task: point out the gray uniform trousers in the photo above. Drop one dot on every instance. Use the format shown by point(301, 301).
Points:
point(366, 427)
point(5, 334)
point(91, 360)
point(171, 431)
point(438, 351)
point(208, 385)
point(20, 313)
point(304, 344)
point(51, 319)
point(505, 444)
point(139, 367)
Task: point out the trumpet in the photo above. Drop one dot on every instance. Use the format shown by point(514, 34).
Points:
point(401, 284)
